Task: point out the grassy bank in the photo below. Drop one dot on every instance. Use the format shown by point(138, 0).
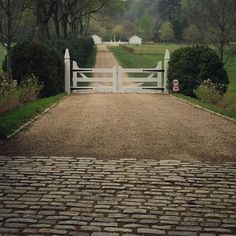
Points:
point(10, 121)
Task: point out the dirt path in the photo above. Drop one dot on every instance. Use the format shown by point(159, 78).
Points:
point(105, 59)
point(112, 126)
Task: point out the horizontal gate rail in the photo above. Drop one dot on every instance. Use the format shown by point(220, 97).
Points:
point(92, 79)
point(115, 79)
point(93, 70)
point(141, 70)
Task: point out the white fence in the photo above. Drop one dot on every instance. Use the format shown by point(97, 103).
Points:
point(116, 79)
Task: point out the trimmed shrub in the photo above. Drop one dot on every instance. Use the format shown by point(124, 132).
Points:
point(34, 58)
point(192, 65)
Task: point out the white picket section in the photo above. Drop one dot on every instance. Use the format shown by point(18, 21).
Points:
point(116, 79)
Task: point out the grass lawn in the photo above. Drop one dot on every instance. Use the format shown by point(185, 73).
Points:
point(157, 48)
point(132, 60)
point(12, 120)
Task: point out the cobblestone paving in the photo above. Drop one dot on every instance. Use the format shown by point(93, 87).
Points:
point(127, 197)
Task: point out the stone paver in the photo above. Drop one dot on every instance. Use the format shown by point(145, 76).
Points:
point(87, 196)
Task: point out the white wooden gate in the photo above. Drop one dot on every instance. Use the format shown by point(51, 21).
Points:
point(116, 79)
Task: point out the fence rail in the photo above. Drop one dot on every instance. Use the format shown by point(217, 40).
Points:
point(115, 79)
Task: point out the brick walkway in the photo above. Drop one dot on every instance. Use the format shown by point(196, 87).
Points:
point(82, 196)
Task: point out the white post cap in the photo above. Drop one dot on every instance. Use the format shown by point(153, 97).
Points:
point(67, 54)
point(167, 55)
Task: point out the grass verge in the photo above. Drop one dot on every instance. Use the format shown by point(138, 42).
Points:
point(208, 106)
point(12, 120)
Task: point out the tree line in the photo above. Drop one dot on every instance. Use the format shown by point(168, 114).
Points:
point(192, 21)
point(43, 19)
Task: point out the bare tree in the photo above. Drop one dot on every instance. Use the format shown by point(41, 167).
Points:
point(43, 13)
point(10, 17)
point(73, 16)
point(218, 19)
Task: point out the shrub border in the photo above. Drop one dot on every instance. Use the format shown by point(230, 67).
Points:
point(25, 125)
point(203, 108)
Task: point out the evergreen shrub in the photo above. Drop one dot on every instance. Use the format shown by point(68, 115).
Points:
point(193, 65)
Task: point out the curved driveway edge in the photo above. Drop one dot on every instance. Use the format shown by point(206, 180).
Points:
point(87, 196)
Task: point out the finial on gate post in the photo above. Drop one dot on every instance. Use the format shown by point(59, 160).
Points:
point(166, 65)
point(67, 54)
point(167, 55)
point(67, 71)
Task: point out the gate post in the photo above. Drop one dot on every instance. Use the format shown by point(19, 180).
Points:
point(114, 79)
point(159, 75)
point(166, 65)
point(119, 79)
point(67, 71)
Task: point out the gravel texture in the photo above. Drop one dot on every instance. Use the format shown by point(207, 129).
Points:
point(113, 126)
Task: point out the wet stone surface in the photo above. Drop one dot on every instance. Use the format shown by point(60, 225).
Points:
point(87, 196)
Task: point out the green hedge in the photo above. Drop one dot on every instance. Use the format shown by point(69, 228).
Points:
point(45, 61)
point(80, 49)
point(192, 65)
point(36, 58)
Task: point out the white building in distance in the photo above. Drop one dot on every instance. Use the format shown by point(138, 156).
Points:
point(135, 40)
point(97, 39)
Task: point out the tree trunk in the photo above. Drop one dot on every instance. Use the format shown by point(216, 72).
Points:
point(56, 20)
point(57, 26)
point(64, 27)
point(42, 30)
point(74, 27)
point(9, 61)
point(43, 12)
point(221, 51)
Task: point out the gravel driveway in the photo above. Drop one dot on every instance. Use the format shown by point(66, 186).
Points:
point(113, 126)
